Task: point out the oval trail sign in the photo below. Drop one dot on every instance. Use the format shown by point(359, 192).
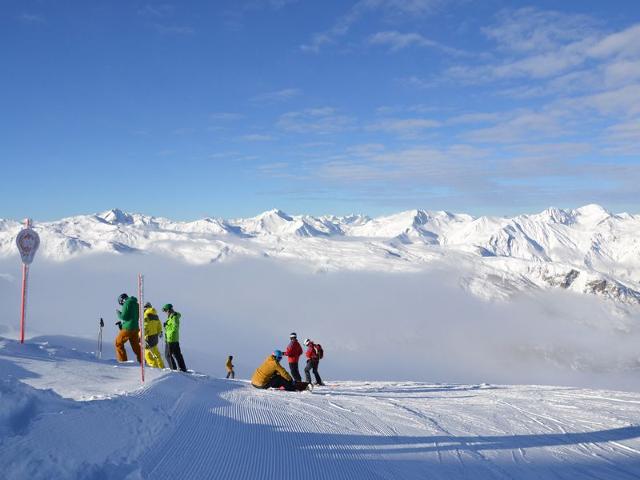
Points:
point(28, 242)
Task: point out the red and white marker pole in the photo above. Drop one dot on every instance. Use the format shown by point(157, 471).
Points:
point(141, 322)
point(28, 242)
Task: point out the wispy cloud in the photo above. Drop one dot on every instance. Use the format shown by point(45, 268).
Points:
point(276, 96)
point(31, 18)
point(156, 10)
point(408, 127)
point(180, 30)
point(396, 41)
point(320, 121)
point(225, 116)
point(391, 8)
point(255, 137)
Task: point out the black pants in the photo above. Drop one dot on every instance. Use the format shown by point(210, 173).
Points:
point(312, 364)
point(295, 371)
point(171, 351)
point(276, 382)
point(231, 374)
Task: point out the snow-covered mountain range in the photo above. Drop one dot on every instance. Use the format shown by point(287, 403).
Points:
point(587, 250)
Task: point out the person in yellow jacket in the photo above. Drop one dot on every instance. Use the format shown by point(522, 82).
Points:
point(152, 331)
point(271, 374)
point(229, 365)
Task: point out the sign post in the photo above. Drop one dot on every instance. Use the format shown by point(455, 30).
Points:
point(28, 242)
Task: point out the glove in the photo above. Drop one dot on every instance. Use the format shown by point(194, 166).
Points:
point(119, 324)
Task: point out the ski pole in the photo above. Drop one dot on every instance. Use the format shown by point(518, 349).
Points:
point(100, 339)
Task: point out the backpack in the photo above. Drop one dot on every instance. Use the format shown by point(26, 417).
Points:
point(319, 351)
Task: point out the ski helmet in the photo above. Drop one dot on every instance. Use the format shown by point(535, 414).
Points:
point(277, 354)
point(148, 305)
point(293, 335)
point(122, 298)
point(167, 307)
point(307, 341)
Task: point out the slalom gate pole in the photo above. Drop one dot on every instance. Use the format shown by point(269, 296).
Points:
point(141, 322)
point(25, 275)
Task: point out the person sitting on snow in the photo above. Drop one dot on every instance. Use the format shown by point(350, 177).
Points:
point(271, 374)
point(172, 339)
point(152, 331)
point(129, 327)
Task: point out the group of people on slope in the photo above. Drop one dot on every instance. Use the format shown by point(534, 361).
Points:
point(153, 330)
point(272, 375)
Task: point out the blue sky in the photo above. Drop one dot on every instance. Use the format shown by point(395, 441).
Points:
point(229, 108)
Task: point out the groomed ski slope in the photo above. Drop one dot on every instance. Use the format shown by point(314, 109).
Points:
point(64, 414)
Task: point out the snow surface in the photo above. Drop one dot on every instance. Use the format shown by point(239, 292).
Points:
point(587, 250)
point(66, 415)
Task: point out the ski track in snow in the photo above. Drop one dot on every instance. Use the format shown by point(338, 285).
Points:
point(66, 415)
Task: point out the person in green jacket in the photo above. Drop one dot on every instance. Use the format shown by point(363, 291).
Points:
point(129, 328)
point(172, 339)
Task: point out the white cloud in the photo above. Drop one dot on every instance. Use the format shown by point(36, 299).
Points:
point(624, 44)
point(523, 126)
point(225, 116)
point(255, 137)
point(403, 126)
point(390, 8)
point(397, 41)
point(277, 95)
point(31, 18)
point(321, 121)
point(174, 29)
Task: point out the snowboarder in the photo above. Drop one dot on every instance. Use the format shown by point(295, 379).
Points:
point(271, 374)
point(172, 339)
point(152, 331)
point(293, 353)
point(129, 327)
point(229, 365)
point(312, 362)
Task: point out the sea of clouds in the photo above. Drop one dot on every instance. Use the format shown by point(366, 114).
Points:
point(373, 326)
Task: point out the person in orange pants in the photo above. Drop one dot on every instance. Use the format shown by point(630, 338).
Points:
point(129, 328)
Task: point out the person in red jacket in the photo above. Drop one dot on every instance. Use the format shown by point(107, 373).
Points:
point(312, 362)
point(293, 353)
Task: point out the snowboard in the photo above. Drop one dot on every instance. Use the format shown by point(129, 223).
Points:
point(300, 387)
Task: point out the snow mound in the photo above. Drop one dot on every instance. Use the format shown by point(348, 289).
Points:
point(66, 415)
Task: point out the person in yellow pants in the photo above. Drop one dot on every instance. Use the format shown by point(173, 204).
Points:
point(152, 331)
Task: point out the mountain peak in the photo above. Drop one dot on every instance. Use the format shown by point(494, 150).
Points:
point(592, 210)
point(275, 212)
point(116, 216)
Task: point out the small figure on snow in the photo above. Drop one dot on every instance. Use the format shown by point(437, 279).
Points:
point(314, 353)
point(293, 353)
point(172, 339)
point(152, 332)
point(229, 365)
point(272, 375)
point(129, 327)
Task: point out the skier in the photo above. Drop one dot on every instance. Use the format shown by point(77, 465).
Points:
point(293, 353)
point(229, 365)
point(172, 339)
point(129, 327)
point(312, 362)
point(152, 331)
point(271, 374)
